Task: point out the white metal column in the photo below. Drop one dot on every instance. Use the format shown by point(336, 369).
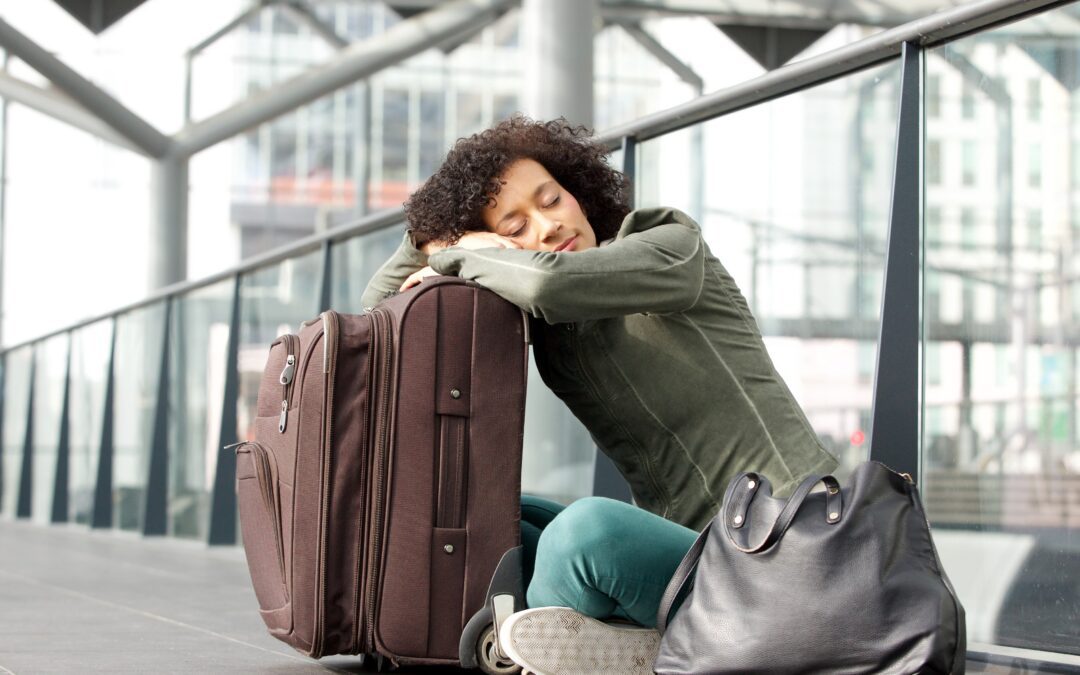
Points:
point(557, 36)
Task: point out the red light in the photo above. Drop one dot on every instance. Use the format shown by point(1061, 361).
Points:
point(857, 437)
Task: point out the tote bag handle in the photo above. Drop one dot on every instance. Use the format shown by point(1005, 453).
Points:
point(735, 516)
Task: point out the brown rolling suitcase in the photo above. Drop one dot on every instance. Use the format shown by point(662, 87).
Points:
point(383, 484)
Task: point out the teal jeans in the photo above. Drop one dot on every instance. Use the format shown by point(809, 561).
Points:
point(601, 557)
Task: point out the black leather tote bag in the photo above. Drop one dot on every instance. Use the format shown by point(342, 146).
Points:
point(838, 581)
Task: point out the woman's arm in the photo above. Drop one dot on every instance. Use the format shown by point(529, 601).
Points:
point(655, 265)
point(388, 279)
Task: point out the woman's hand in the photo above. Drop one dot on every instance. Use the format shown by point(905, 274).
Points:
point(416, 277)
point(469, 240)
point(477, 240)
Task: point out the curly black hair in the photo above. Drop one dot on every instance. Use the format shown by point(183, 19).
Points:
point(450, 203)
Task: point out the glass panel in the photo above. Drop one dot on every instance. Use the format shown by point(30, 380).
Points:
point(1001, 461)
point(274, 300)
point(49, 372)
point(793, 198)
point(197, 364)
point(139, 337)
point(16, 396)
point(89, 369)
point(354, 263)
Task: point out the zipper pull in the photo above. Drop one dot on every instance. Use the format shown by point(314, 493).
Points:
point(290, 369)
point(284, 416)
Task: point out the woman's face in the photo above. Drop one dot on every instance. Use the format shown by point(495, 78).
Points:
point(536, 212)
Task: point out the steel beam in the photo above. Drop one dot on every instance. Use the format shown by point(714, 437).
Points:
point(302, 13)
point(111, 111)
point(255, 8)
point(353, 63)
point(877, 48)
point(895, 433)
point(662, 54)
point(55, 104)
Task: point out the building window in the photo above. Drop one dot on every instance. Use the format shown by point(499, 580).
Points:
point(933, 364)
point(867, 361)
point(1034, 99)
point(968, 157)
point(470, 113)
point(933, 225)
point(1034, 165)
point(967, 227)
point(933, 162)
point(505, 106)
point(1034, 225)
point(967, 102)
point(933, 96)
point(432, 128)
point(395, 135)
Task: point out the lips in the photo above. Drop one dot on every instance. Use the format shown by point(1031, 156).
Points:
point(566, 244)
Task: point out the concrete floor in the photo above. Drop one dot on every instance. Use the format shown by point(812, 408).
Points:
point(74, 601)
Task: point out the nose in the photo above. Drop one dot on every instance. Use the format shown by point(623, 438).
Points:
point(549, 227)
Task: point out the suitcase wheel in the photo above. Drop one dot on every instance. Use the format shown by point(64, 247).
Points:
point(478, 648)
point(489, 659)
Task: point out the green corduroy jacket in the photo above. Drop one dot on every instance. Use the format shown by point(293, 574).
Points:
point(651, 345)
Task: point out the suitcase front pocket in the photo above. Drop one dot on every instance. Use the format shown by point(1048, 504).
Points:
point(260, 527)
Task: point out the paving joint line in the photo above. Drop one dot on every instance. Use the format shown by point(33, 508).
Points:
point(158, 617)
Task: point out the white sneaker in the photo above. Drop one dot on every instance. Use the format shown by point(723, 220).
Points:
point(560, 641)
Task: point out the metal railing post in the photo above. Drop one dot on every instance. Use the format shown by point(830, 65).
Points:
point(895, 430)
point(103, 498)
point(223, 498)
point(26, 471)
point(155, 513)
point(63, 446)
point(326, 276)
point(607, 481)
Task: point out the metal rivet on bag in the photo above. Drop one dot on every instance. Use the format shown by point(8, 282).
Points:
point(449, 548)
point(738, 520)
point(834, 515)
point(455, 393)
point(751, 485)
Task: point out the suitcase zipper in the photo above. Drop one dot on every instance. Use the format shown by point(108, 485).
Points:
point(330, 343)
point(287, 377)
point(384, 384)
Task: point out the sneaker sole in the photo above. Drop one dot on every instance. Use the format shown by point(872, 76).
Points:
point(560, 641)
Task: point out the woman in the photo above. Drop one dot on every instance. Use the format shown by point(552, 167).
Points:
point(641, 331)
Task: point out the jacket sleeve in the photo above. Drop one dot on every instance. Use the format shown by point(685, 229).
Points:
point(656, 264)
point(388, 279)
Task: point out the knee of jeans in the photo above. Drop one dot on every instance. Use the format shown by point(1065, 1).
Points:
point(587, 525)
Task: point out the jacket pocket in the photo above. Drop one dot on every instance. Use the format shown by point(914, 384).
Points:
point(260, 527)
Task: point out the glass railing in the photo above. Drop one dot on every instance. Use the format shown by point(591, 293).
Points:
point(804, 183)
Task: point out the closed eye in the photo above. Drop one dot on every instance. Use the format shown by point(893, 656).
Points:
point(553, 202)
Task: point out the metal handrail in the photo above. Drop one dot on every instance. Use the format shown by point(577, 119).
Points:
point(935, 29)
